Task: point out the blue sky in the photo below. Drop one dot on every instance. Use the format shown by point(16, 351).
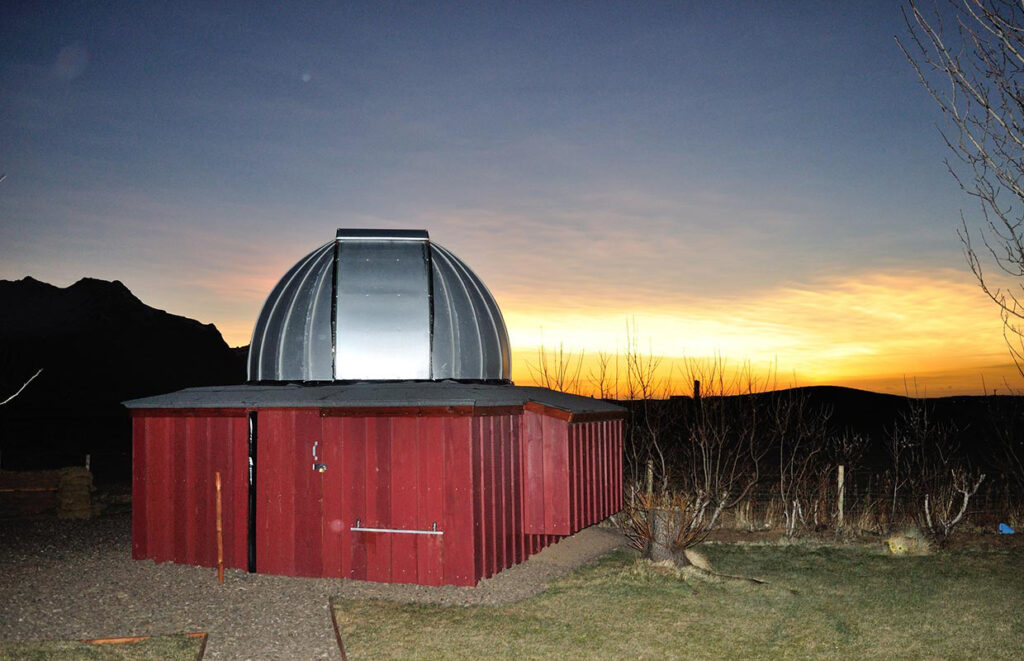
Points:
point(763, 180)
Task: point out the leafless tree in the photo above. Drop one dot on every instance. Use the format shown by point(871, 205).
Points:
point(604, 376)
point(650, 418)
point(945, 506)
point(726, 439)
point(23, 386)
point(969, 55)
point(717, 443)
point(557, 370)
point(899, 447)
point(943, 480)
point(800, 438)
point(643, 381)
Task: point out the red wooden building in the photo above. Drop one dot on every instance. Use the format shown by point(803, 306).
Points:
point(446, 476)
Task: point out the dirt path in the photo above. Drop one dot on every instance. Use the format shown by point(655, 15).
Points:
point(72, 579)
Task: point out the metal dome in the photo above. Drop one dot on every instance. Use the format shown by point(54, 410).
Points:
point(379, 305)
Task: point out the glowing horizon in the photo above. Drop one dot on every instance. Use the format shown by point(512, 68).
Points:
point(874, 331)
point(932, 332)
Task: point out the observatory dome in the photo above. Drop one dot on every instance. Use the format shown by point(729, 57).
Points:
point(379, 305)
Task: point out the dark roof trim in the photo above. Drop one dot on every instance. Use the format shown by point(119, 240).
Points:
point(418, 398)
point(188, 413)
point(418, 411)
point(394, 412)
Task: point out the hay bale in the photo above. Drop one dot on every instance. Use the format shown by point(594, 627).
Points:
point(74, 495)
point(909, 542)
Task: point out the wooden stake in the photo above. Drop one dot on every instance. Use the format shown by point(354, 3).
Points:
point(220, 536)
point(842, 492)
point(133, 639)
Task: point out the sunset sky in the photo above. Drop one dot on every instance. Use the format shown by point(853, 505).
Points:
point(762, 181)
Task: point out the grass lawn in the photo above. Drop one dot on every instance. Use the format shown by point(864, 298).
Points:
point(821, 602)
point(175, 647)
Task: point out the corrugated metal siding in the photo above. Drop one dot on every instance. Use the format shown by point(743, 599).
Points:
point(595, 472)
point(572, 473)
point(546, 462)
point(497, 489)
point(176, 458)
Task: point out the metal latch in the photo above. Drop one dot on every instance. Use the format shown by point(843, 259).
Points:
point(318, 467)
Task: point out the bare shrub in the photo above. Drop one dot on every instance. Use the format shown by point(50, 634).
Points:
point(703, 456)
point(946, 503)
point(22, 388)
point(943, 481)
point(799, 436)
point(665, 525)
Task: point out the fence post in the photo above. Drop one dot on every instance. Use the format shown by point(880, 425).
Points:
point(842, 492)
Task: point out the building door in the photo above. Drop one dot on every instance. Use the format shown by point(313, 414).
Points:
point(289, 493)
point(382, 499)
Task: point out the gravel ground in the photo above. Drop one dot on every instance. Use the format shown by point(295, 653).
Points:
point(63, 580)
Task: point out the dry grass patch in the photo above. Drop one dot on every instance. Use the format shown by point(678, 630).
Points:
point(818, 603)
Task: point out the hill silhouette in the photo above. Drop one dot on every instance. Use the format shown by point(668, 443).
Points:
point(97, 345)
point(973, 424)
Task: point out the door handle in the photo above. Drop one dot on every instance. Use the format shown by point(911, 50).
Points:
point(317, 466)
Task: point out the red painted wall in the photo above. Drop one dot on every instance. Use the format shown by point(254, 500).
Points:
point(572, 473)
point(500, 485)
point(176, 456)
point(595, 472)
point(389, 472)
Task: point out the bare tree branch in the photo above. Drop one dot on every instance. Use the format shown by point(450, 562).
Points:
point(969, 56)
point(23, 386)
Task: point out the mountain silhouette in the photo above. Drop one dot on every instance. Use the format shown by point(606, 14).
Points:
point(97, 345)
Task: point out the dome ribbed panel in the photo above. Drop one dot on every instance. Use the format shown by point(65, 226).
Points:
point(470, 340)
point(332, 316)
point(292, 340)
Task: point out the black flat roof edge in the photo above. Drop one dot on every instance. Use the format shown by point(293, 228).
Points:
point(392, 394)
